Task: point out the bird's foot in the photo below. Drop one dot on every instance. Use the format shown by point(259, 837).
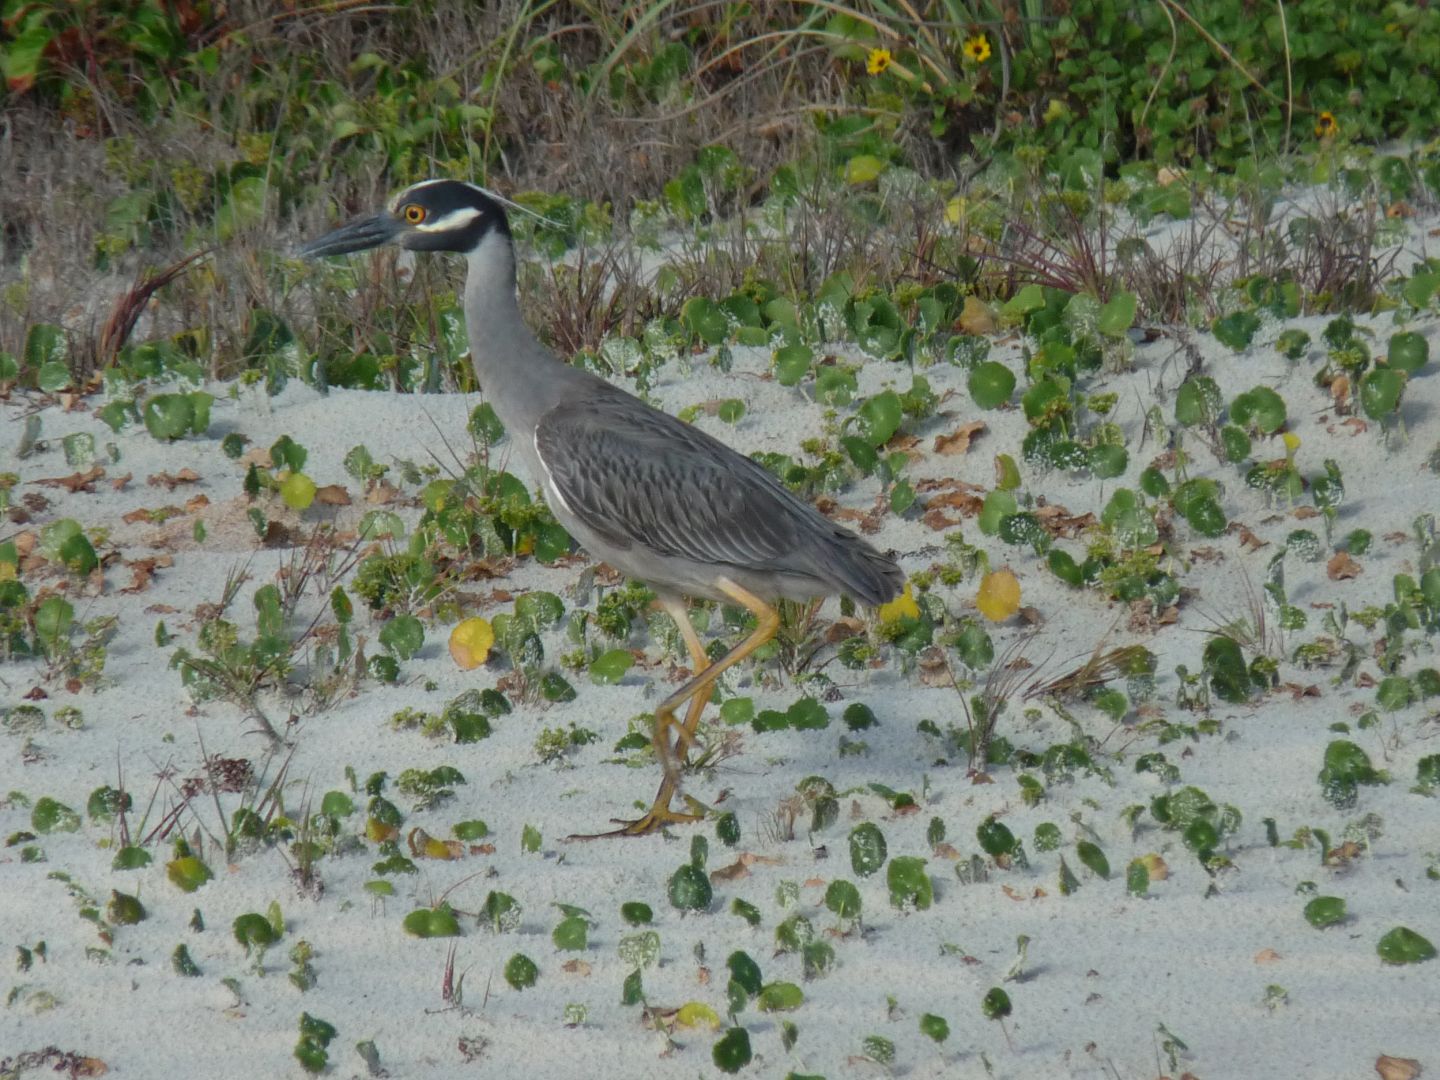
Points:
point(658, 817)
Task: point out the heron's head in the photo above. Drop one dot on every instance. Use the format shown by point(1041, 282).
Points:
point(434, 215)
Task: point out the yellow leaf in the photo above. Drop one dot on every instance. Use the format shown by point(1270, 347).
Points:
point(863, 168)
point(297, 491)
point(955, 210)
point(697, 1014)
point(999, 595)
point(470, 643)
point(1056, 110)
point(1291, 440)
point(902, 607)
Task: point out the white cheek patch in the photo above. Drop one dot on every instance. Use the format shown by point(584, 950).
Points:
point(451, 222)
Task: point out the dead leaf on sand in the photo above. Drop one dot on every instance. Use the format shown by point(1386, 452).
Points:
point(958, 441)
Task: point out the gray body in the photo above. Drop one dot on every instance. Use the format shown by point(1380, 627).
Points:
point(656, 498)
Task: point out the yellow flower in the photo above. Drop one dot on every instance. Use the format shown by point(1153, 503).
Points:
point(1325, 125)
point(878, 61)
point(977, 48)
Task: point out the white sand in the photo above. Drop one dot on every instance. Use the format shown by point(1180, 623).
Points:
point(1103, 970)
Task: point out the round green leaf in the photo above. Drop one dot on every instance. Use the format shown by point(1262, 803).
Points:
point(1325, 911)
point(1408, 352)
point(1404, 946)
point(731, 1051)
point(610, 667)
point(1380, 391)
point(521, 972)
point(991, 384)
point(690, 888)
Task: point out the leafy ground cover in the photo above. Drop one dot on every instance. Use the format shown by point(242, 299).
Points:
point(303, 691)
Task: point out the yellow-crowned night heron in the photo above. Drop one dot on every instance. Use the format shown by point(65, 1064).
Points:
point(657, 499)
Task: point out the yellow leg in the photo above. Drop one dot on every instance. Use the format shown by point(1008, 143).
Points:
point(696, 690)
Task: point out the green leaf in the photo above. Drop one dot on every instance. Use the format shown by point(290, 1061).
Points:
point(1325, 911)
point(1197, 401)
point(731, 1051)
point(1094, 858)
point(432, 922)
point(779, 997)
point(792, 364)
point(731, 410)
point(996, 839)
point(745, 971)
point(187, 873)
point(1408, 352)
point(131, 858)
point(1137, 878)
point(50, 816)
point(610, 667)
point(909, 883)
point(1380, 391)
point(404, 635)
point(995, 1004)
point(879, 418)
point(1404, 946)
point(704, 319)
point(1236, 329)
point(254, 931)
point(521, 972)
point(867, 849)
point(1118, 314)
point(44, 344)
point(469, 831)
point(690, 889)
point(1260, 408)
point(572, 934)
point(842, 898)
point(169, 416)
point(636, 913)
point(991, 384)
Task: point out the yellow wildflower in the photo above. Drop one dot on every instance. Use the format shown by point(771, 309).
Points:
point(1326, 125)
point(878, 61)
point(977, 48)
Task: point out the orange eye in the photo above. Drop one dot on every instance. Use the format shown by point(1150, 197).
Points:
point(414, 213)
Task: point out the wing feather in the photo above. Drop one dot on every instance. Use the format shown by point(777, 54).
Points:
point(637, 476)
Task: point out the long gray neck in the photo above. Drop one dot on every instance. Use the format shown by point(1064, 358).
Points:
point(519, 377)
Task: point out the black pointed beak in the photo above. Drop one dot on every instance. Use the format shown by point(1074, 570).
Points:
point(359, 235)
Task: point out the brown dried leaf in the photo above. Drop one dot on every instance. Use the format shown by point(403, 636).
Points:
point(332, 495)
point(1060, 522)
point(736, 871)
point(976, 317)
point(1342, 567)
point(1267, 956)
point(382, 494)
point(958, 441)
point(196, 502)
point(117, 483)
point(75, 482)
point(1397, 1068)
point(576, 967)
point(1248, 540)
point(170, 481)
